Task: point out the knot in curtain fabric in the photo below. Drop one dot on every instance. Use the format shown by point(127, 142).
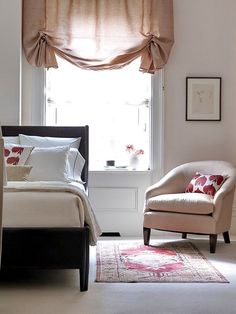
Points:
point(98, 34)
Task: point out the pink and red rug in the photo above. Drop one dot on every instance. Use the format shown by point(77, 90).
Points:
point(167, 262)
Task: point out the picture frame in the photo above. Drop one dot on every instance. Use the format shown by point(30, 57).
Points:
point(203, 99)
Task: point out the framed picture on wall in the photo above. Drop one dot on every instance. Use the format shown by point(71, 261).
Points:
point(203, 98)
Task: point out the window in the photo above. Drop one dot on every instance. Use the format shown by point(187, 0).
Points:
point(114, 103)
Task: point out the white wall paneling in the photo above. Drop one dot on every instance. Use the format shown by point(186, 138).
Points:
point(114, 199)
point(118, 198)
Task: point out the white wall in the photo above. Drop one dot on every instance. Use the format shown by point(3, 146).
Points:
point(205, 45)
point(10, 56)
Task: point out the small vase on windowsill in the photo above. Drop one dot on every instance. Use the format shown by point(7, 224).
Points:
point(134, 155)
point(133, 162)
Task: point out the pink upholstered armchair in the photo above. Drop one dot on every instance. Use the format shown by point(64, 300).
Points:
point(168, 207)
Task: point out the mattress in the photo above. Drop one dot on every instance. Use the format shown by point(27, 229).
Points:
point(48, 204)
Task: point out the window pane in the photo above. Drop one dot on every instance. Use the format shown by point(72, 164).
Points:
point(115, 104)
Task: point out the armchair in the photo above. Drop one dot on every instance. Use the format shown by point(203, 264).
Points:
point(169, 208)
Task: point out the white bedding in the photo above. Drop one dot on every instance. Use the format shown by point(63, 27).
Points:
point(48, 204)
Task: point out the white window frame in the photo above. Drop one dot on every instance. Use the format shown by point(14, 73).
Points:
point(34, 105)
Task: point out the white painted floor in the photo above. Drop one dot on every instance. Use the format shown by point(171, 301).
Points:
point(57, 292)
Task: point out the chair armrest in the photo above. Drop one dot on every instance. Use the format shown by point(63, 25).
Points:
point(223, 199)
point(227, 187)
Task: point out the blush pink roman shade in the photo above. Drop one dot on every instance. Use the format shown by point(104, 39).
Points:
point(98, 34)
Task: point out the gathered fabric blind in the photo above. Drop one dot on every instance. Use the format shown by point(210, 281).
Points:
point(98, 34)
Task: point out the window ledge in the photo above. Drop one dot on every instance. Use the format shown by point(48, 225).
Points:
point(120, 171)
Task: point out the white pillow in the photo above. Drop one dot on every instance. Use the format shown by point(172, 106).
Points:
point(16, 154)
point(76, 164)
point(11, 139)
point(43, 141)
point(49, 164)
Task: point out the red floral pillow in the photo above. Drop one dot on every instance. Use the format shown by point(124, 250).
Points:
point(16, 154)
point(205, 183)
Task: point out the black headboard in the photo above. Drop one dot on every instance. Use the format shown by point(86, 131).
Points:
point(56, 131)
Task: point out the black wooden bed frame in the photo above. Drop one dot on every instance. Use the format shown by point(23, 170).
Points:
point(49, 248)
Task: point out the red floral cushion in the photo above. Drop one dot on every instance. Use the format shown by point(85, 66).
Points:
point(205, 183)
point(16, 154)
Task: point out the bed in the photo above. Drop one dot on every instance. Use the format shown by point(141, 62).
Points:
point(61, 243)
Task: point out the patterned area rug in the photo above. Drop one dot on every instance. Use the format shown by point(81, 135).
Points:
point(172, 262)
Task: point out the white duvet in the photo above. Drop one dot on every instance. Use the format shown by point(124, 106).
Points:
point(48, 204)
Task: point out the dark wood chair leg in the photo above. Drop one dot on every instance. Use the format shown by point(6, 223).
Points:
point(213, 240)
point(146, 235)
point(184, 235)
point(226, 237)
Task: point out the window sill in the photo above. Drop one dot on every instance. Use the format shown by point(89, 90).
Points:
point(120, 171)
